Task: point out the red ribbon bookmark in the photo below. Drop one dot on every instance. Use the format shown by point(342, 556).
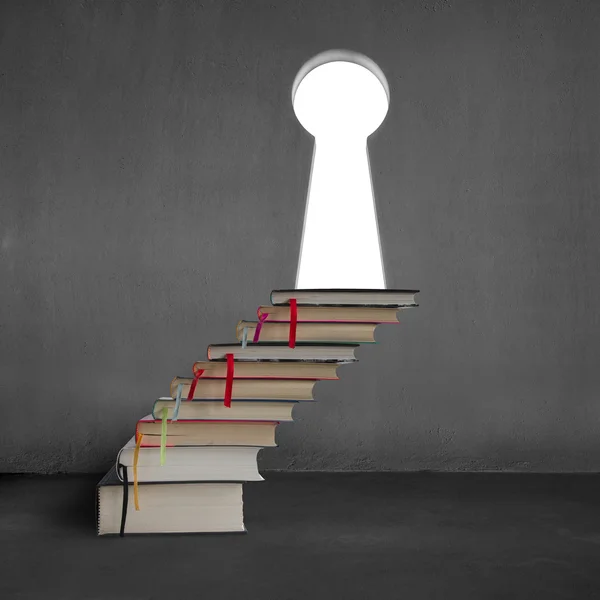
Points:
point(293, 322)
point(197, 375)
point(229, 381)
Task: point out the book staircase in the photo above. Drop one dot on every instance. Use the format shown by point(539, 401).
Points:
point(183, 470)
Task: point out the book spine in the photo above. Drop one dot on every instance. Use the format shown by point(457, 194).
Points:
point(98, 510)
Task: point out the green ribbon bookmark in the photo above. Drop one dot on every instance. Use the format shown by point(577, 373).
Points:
point(163, 437)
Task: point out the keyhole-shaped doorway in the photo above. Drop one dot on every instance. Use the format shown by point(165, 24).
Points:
point(340, 97)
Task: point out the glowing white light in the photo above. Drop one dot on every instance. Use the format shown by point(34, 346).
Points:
point(340, 103)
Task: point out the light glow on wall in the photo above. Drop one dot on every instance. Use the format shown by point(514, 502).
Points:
point(340, 103)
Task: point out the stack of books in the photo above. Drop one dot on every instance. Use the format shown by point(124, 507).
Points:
point(183, 470)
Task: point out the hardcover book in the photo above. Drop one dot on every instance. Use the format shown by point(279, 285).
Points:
point(330, 314)
point(168, 507)
point(267, 389)
point(262, 410)
point(192, 463)
point(338, 333)
point(268, 369)
point(281, 351)
point(207, 432)
point(346, 297)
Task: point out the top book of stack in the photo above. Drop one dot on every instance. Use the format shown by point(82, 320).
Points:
point(345, 297)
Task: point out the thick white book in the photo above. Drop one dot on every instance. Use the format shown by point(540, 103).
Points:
point(168, 507)
point(191, 463)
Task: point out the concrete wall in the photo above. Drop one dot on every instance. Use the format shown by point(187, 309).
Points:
point(153, 179)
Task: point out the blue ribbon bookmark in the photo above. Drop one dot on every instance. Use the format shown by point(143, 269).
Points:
point(177, 402)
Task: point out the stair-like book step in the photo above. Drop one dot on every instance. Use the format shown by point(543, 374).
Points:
point(331, 314)
point(337, 353)
point(267, 389)
point(345, 297)
point(344, 333)
point(269, 369)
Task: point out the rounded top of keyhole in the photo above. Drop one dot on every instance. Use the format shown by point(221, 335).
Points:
point(341, 94)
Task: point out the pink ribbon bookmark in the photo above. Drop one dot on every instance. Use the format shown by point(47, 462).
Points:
point(261, 320)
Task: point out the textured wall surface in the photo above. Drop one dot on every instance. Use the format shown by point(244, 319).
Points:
point(153, 179)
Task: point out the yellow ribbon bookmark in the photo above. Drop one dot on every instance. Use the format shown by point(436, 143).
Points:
point(136, 455)
point(163, 437)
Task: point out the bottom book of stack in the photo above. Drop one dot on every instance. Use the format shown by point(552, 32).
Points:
point(197, 490)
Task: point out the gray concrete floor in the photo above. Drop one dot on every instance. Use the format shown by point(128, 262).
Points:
point(412, 536)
